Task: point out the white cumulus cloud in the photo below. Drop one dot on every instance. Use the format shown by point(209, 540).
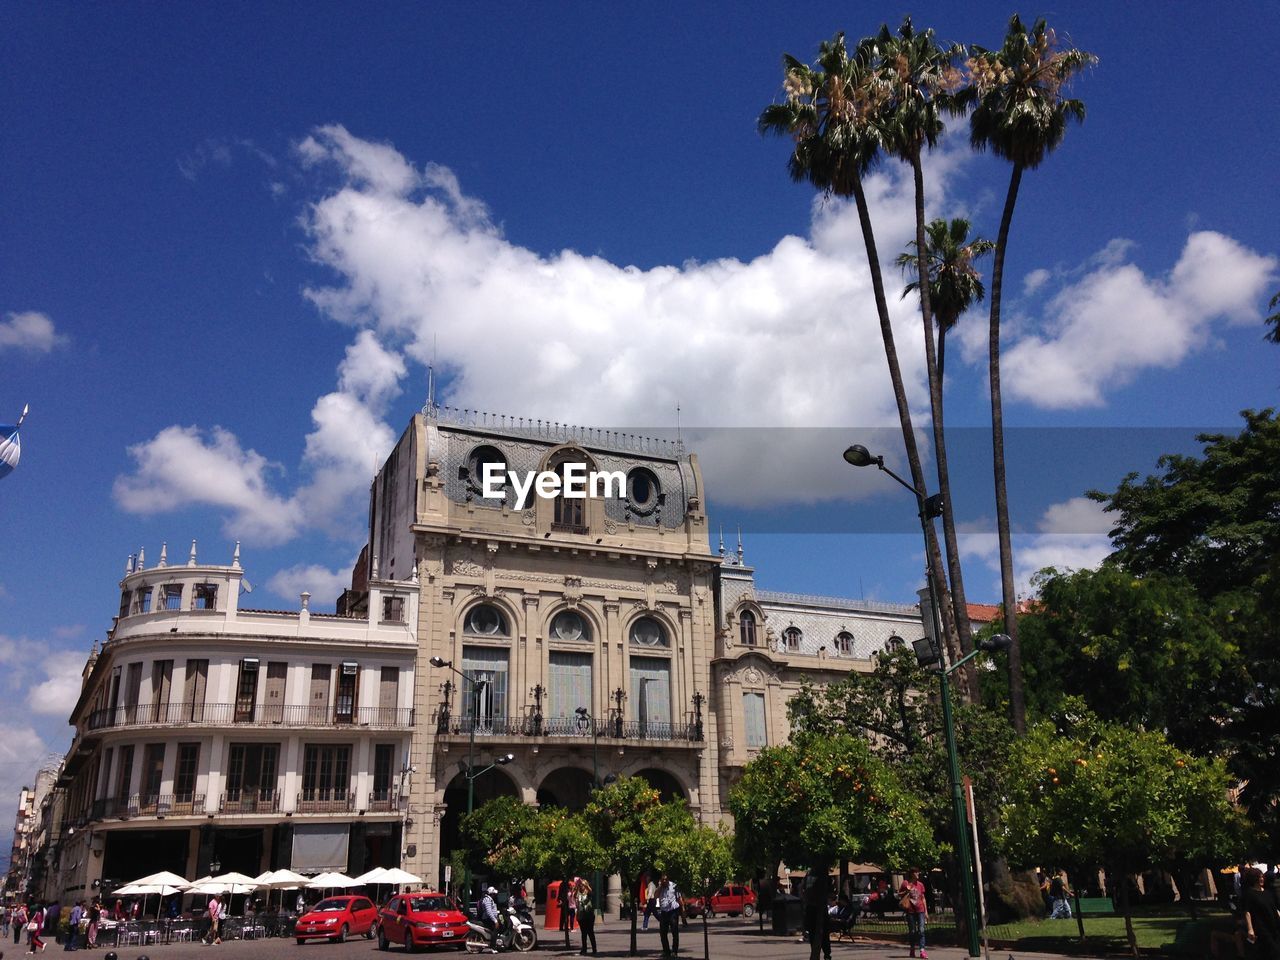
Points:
point(29, 330)
point(1103, 329)
point(323, 584)
point(56, 695)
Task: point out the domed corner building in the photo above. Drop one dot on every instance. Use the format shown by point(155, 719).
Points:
point(586, 636)
point(595, 636)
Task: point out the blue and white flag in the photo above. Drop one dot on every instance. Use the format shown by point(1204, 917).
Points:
point(11, 444)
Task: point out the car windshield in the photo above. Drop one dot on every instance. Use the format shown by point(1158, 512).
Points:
point(430, 903)
point(332, 905)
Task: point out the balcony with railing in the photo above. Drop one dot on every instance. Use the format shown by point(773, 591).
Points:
point(244, 802)
point(325, 801)
point(383, 801)
point(612, 728)
point(148, 805)
point(202, 714)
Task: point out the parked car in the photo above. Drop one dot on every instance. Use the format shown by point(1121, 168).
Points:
point(422, 920)
point(337, 918)
point(732, 899)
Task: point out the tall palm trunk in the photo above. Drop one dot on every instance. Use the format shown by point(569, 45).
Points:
point(1017, 701)
point(932, 554)
point(963, 635)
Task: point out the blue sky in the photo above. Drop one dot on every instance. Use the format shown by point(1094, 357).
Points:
point(233, 235)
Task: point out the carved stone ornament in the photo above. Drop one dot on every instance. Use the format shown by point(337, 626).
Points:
point(752, 676)
point(466, 568)
point(726, 743)
point(572, 590)
point(610, 526)
point(528, 518)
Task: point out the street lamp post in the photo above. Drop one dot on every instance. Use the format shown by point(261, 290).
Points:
point(470, 773)
point(930, 507)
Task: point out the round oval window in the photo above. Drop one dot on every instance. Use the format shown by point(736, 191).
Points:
point(484, 620)
point(647, 632)
point(568, 626)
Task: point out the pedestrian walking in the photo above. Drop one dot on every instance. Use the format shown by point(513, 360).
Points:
point(586, 912)
point(35, 927)
point(214, 934)
point(669, 908)
point(20, 918)
point(1059, 892)
point(650, 902)
point(912, 899)
point(73, 928)
point(95, 918)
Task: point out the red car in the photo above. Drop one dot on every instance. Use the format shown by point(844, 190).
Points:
point(336, 919)
point(732, 899)
point(421, 920)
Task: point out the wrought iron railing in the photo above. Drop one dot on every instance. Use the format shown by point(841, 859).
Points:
point(181, 714)
point(383, 801)
point(249, 801)
point(325, 801)
point(148, 805)
point(613, 728)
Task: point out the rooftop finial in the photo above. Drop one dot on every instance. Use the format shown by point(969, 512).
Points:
point(722, 539)
point(740, 545)
point(235, 557)
point(128, 565)
point(191, 560)
point(306, 600)
point(373, 570)
point(164, 555)
point(142, 558)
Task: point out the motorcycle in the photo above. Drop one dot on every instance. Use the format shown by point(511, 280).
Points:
point(517, 933)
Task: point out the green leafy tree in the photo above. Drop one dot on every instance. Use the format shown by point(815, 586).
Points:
point(1273, 321)
point(562, 844)
point(823, 799)
point(1214, 521)
point(502, 828)
point(631, 824)
point(834, 114)
point(699, 859)
point(1019, 112)
point(1083, 791)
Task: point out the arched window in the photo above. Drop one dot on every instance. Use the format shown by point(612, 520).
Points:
point(844, 644)
point(791, 638)
point(477, 459)
point(648, 632)
point(569, 513)
point(486, 620)
point(747, 628)
point(570, 625)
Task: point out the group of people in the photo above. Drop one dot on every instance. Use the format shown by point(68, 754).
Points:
point(578, 906)
point(40, 922)
point(1057, 894)
point(823, 910)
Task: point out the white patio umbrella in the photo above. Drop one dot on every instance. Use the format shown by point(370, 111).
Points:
point(163, 883)
point(165, 878)
point(400, 877)
point(378, 875)
point(281, 880)
point(328, 881)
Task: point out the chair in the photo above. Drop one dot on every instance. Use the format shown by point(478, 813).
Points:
point(129, 932)
point(181, 933)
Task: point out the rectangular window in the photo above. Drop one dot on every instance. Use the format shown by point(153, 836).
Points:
point(142, 600)
point(273, 703)
point(389, 695)
point(384, 759)
point(569, 688)
point(193, 689)
point(393, 609)
point(105, 779)
point(184, 777)
point(251, 772)
point(113, 698)
point(319, 703)
point(344, 704)
point(753, 713)
point(132, 691)
point(246, 690)
point(326, 772)
point(484, 702)
point(161, 683)
point(124, 604)
point(205, 597)
point(173, 596)
point(651, 697)
point(152, 772)
point(124, 774)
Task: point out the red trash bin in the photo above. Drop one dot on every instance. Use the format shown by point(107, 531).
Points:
point(553, 907)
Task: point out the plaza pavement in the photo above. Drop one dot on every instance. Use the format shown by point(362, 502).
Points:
point(730, 939)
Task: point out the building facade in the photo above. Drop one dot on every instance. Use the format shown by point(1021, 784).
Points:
point(211, 737)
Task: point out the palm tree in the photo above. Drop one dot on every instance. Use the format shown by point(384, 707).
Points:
point(832, 112)
point(920, 79)
point(1020, 113)
point(954, 286)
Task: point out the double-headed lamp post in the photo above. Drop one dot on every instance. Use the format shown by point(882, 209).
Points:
point(930, 507)
point(471, 773)
point(584, 716)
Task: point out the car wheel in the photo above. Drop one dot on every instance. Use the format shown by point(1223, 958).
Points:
point(301, 941)
point(383, 942)
point(342, 935)
point(408, 943)
point(748, 910)
point(371, 932)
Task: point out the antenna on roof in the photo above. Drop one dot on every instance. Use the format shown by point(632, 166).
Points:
point(677, 420)
point(430, 407)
